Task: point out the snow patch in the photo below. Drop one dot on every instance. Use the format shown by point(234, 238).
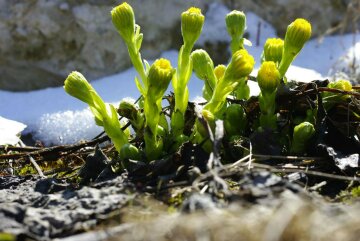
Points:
point(10, 131)
point(66, 127)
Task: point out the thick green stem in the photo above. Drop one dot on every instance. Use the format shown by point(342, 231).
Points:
point(181, 90)
point(152, 111)
point(153, 145)
point(242, 91)
point(136, 60)
point(267, 107)
point(235, 45)
point(214, 105)
point(285, 63)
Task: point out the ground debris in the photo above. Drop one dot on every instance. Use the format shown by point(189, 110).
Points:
point(25, 212)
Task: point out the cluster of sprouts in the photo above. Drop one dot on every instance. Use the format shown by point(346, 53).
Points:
point(161, 135)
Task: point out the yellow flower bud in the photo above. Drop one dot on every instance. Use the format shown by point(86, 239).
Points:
point(273, 49)
point(124, 21)
point(268, 77)
point(192, 22)
point(129, 151)
point(203, 67)
point(241, 65)
point(202, 64)
point(77, 86)
point(304, 131)
point(219, 71)
point(236, 23)
point(159, 77)
point(297, 33)
point(302, 134)
point(127, 109)
point(330, 98)
point(341, 85)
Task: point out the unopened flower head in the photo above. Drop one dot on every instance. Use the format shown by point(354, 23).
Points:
point(159, 77)
point(129, 151)
point(297, 34)
point(124, 21)
point(268, 77)
point(303, 132)
point(236, 23)
point(241, 65)
point(219, 71)
point(127, 109)
point(273, 49)
point(192, 22)
point(77, 86)
point(202, 63)
point(341, 85)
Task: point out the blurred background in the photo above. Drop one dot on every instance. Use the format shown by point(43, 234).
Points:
point(41, 41)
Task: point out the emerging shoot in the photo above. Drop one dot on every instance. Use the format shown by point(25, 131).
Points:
point(297, 34)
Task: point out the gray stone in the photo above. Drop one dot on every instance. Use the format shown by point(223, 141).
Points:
point(24, 211)
point(42, 41)
point(323, 14)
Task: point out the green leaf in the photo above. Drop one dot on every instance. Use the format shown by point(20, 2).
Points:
point(147, 66)
point(138, 41)
point(140, 87)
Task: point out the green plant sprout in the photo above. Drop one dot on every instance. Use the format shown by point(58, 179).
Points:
point(235, 120)
point(273, 50)
point(241, 65)
point(123, 19)
point(105, 114)
point(204, 69)
point(301, 136)
point(130, 111)
point(192, 22)
point(268, 79)
point(160, 75)
point(236, 25)
point(330, 99)
point(148, 120)
point(297, 34)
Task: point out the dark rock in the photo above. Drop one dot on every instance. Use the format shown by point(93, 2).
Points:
point(24, 211)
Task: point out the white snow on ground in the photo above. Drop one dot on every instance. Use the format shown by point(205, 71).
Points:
point(57, 118)
point(10, 130)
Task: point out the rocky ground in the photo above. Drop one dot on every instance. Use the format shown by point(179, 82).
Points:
point(259, 206)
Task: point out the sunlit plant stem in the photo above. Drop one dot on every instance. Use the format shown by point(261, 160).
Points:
point(240, 66)
point(191, 25)
point(123, 19)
